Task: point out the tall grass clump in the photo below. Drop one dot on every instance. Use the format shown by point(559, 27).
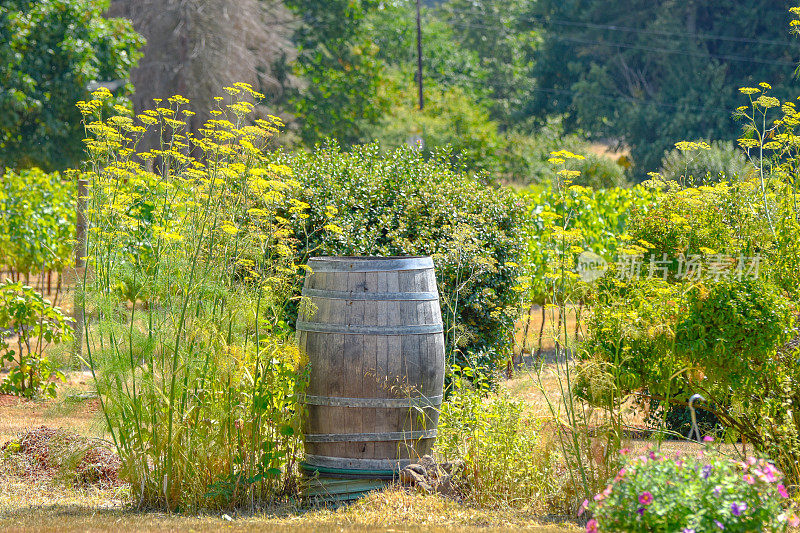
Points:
point(189, 268)
point(508, 458)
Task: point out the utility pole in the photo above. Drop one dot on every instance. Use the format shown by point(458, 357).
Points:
point(419, 58)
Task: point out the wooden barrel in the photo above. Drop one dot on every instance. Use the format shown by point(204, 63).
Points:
point(374, 340)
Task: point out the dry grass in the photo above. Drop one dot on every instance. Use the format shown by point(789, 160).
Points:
point(610, 150)
point(46, 507)
point(525, 385)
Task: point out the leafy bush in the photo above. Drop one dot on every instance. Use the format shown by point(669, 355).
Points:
point(28, 325)
point(720, 339)
point(187, 275)
point(627, 333)
point(700, 163)
point(732, 329)
point(451, 118)
point(715, 226)
point(692, 493)
point(404, 204)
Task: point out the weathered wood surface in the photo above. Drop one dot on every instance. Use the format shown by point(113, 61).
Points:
point(376, 350)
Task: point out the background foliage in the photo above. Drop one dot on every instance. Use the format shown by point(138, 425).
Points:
point(343, 74)
point(50, 51)
point(652, 73)
point(37, 221)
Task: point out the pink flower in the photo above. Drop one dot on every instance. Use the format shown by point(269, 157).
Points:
point(655, 457)
point(645, 498)
point(583, 507)
point(620, 475)
point(708, 438)
point(767, 475)
point(794, 521)
point(625, 451)
point(603, 495)
point(771, 472)
point(591, 526)
point(782, 491)
point(749, 479)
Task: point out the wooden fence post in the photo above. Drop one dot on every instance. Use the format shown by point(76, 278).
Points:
point(80, 264)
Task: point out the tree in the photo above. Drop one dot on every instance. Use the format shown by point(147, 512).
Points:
point(444, 61)
point(344, 78)
point(195, 48)
point(50, 52)
point(492, 31)
point(649, 73)
point(477, 46)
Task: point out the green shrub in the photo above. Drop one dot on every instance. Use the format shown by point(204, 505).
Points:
point(732, 329)
point(694, 164)
point(720, 339)
point(524, 159)
point(28, 325)
point(401, 203)
point(51, 50)
point(692, 494)
point(717, 226)
point(600, 172)
point(628, 333)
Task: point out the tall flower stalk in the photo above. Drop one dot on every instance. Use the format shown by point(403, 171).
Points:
point(189, 268)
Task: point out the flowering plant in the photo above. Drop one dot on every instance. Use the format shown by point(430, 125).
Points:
point(691, 493)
